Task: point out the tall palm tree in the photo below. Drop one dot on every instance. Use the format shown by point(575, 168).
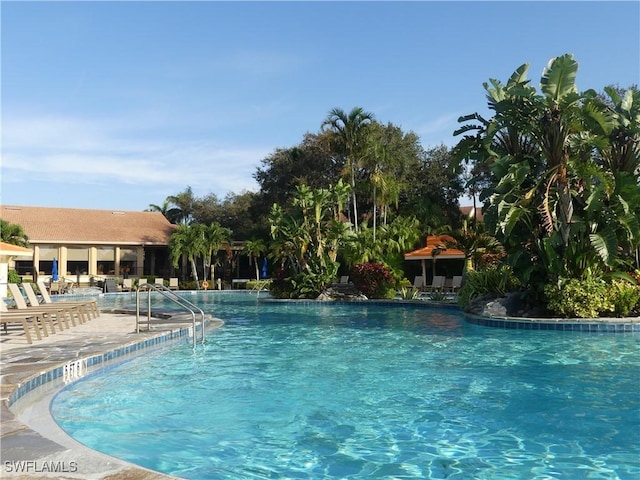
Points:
point(184, 203)
point(170, 212)
point(350, 130)
point(188, 240)
point(13, 233)
point(255, 248)
point(214, 237)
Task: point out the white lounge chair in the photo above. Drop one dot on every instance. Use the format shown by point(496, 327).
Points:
point(88, 307)
point(418, 282)
point(173, 284)
point(127, 284)
point(34, 319)
point(59, 313)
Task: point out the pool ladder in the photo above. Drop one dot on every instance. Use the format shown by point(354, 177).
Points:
point(175, 298)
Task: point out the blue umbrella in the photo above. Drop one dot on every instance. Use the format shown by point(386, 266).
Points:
point(264, 268)
point(54, 270)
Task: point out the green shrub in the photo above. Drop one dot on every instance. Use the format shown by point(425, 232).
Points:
point(438, 296)
point(495, 280)
point(258, 284)
point(625, 297)
point(13, 277)
point(579, 298)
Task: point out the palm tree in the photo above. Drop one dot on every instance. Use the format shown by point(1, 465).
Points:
point(184, 203)
point(170, 213)
point(255, 248)
point(214, 237)
point(474, 243)
point(350, 130)
point(188, 240)
point(13, 234)
point(555, 201)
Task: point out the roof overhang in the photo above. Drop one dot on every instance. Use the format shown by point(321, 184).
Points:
point(434, 250)
point(8, 251)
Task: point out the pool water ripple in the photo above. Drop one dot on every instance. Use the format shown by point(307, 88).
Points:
point(361, 391)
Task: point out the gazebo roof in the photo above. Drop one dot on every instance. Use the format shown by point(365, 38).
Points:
point(432, 242)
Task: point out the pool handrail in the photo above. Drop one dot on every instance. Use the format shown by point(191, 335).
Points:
point(175, 298)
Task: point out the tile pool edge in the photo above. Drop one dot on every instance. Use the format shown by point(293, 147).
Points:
point(587, 325)
point(98, 361)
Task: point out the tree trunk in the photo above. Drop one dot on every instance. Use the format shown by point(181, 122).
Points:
point(194, 272)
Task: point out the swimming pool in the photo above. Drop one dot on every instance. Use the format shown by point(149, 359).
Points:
point(367, 391)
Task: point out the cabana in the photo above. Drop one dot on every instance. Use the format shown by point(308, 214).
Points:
point(434, 250)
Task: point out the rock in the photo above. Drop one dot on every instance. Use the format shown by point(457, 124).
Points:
point(341, 292)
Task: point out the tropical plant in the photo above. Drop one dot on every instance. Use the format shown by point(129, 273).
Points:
point(188, 240)
point(392, 241)
point(474, 243)
point(555, 202)
point(409, 293)
point(170, 212)
point(255, 248)
point(184, 206)
point(13, 233)
point(496, 281)
point(305, 242)
point(350, 133)
point(214, 237)
point(373, 279)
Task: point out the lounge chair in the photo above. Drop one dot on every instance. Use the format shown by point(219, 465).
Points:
point(110, 286)
point(59, 313)
point(418, 282)
point(36, 320)
point(159, 282)
point(142, 281)
point(127, 285)
point(89, 306)
point(437, 284)
point(344, 279)
point(173, 284)
point(456, 283)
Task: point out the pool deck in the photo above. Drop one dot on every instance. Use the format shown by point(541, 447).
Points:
point(33, 446)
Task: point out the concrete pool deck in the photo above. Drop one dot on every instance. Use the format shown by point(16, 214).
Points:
point(32, 446)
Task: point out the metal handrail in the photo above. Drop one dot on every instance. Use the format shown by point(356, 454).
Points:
point(175, 298)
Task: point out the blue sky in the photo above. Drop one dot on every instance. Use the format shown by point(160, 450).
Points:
point(117, 105)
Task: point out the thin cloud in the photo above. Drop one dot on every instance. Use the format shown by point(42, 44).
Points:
point(71, 150)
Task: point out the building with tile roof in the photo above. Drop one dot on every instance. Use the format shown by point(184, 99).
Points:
point(92, 242)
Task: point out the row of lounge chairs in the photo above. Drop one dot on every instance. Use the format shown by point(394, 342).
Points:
point(44, 316)
point(127, 283)
point(439, 283)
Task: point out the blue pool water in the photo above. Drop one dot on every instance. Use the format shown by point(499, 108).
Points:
point(362, 391)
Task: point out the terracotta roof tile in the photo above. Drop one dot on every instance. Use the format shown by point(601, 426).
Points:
point(84, 226)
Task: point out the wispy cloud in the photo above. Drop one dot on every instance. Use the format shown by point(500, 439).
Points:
point(438, 130)
point(81, 151)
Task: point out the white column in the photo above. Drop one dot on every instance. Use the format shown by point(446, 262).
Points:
point(4, 279)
